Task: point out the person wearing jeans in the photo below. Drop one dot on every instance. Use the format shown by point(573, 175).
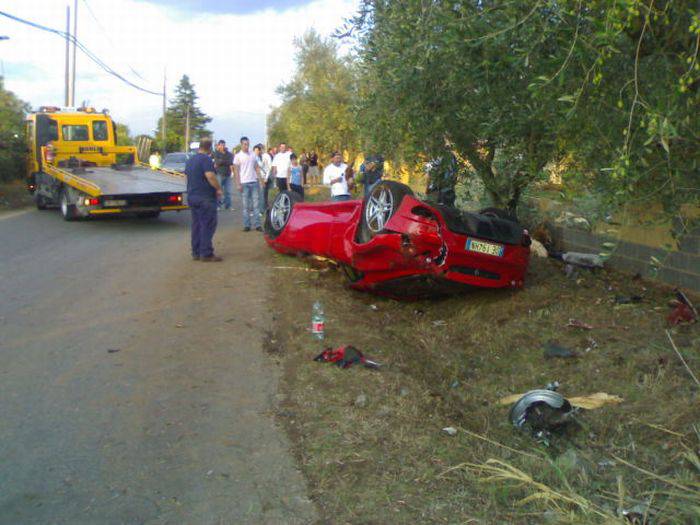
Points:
point(223, 161)
point(264, 160)
point(247, 170)
point(203, 191)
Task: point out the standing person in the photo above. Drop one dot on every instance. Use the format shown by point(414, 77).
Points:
point(246, 169)
point(280, 166)
point(265, 164)
point(154, 160)
point(203, 191)
point(304, 162)
point(313, 167)
point(334, 176)
point(223, 162)
point(296, 182)
point(371, 170)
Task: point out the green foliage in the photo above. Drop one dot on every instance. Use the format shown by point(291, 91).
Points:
point(514, 86)
point(124, 137)
point(12, 141)
point(176, 118)
point(317, 102)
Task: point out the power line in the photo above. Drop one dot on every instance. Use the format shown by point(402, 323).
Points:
point(106, 34)
point(85, 50)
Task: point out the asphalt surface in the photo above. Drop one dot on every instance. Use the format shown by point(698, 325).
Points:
point(133, 384)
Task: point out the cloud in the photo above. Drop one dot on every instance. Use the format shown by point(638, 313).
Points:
point(236, 61)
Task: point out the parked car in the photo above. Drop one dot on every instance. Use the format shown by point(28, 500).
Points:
point(394, 244)
point(176, 161)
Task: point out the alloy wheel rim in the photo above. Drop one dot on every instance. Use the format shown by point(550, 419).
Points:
point(64, 205)
point(280, 212)
point(379, 208)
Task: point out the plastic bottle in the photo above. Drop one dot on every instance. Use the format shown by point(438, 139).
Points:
point(318, 321)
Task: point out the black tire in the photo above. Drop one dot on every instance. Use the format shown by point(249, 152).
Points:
point(278, 213)
point(498, 213)
point(40, 201)
point(69, 211)
point(372, 221)
point(148, 214)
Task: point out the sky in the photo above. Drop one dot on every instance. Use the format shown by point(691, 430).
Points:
point(236, 53)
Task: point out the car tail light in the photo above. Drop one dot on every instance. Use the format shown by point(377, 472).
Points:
point(175, 199)
point(91, 201)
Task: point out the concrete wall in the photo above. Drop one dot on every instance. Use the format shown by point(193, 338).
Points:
point(679, 267)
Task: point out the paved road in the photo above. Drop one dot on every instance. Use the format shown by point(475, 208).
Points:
point(133, 387)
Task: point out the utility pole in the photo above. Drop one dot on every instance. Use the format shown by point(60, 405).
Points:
point(163, 127)
point(187, 129)
point(75, 47)
point(67, 97)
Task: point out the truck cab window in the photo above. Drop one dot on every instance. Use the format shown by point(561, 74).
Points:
point(99, 130)
point(75, 133)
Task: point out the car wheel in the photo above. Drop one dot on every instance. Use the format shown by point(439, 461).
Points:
point(499, 214)
point(279, 212)
point(379, 206)
point(68, 210)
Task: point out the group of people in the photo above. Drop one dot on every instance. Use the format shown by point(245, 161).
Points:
point(211, 175)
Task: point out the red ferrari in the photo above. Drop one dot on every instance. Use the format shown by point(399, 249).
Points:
point(394, 244)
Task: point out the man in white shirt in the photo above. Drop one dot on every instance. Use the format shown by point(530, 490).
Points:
point(265, 164)
point(280, 166)
point(334, 176)
point(246, 170)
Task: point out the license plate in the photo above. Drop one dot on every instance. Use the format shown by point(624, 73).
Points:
point(115, 203)
point(489, 248)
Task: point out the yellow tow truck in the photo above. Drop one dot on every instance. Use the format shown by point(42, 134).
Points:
point(74, 163)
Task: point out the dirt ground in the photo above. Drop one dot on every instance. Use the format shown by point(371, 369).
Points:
point(371, 442)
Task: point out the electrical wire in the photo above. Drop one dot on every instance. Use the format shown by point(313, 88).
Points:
point(82, 48)
point(106, 35)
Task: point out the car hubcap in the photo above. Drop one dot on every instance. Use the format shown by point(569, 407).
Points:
point(379, 208)
point(64, 205)
point(280, 212)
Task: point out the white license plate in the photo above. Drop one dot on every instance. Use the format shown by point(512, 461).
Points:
point(115, 203)
point(489, 248)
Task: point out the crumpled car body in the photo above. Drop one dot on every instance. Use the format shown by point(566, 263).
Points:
point(424, 249)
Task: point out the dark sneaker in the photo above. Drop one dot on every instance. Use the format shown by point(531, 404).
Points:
point(258, 229)
point(211, 258)
point(246, 229)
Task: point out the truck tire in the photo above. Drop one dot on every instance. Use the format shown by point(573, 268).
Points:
point(40, 201)
point(68, 210)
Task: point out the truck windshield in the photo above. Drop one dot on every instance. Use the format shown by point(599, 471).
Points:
point(99, 130)
point(75, 132)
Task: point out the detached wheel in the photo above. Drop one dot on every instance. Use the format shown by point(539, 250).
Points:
point(279, 212)
point(499, 214)
point(379, 206)
point(68, 210)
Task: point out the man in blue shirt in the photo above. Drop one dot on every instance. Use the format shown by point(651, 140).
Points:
point(203, 192)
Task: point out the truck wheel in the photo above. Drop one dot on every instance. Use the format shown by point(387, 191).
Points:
point(68, 210)
point(40, 201)
point(379, 206)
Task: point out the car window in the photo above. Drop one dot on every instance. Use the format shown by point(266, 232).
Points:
point(99, 130)
point(74, 132)
point(175, 158)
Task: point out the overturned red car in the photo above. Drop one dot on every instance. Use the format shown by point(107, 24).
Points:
point(394, 244)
